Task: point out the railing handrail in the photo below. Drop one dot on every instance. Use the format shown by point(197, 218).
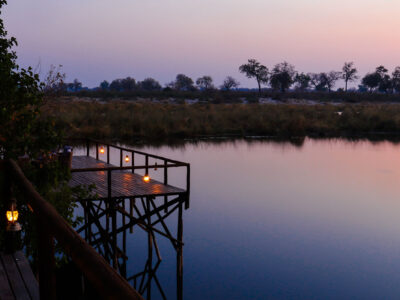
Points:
point(131, 150)
point(107, 282)
point(126, 168)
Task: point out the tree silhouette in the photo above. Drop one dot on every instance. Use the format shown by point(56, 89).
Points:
point(282, 76)
point(302, 81)
point(253, 69)
point(229, 83)
point(183, 83)
point(205, 83)
point(349, 73)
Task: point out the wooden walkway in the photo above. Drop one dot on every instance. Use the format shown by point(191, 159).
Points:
point(16, 278)
point(124, 182)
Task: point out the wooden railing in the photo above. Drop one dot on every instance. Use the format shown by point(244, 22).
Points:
point(166, 163)
point(105, 280)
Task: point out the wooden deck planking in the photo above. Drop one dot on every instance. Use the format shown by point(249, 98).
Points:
point(16, 278)
point(124, 183)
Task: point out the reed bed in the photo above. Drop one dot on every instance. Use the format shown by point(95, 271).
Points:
point(123, 120)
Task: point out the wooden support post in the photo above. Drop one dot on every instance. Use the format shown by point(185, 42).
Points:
point(179, 255)
point(108, 154)
point(86, 222)
point(165, 182)
point(187, 202)
point(133, 161)
point(147, 164)
point(89, 216)
point(47, 264)
point(108, 201)
point(132, 203)
point(120, 158)
point(150, 249)
point(97, 151)
point(124, 232)
point(87, 147)
point(114, 233)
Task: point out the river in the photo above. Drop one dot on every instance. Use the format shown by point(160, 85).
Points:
point(281, 220)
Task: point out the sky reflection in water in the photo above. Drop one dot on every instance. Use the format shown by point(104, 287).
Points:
point(273, 220)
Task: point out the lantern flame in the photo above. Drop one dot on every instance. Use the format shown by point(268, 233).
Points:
point(146, 178)
point(102, 150)
point(12, 215)
point(127, 159)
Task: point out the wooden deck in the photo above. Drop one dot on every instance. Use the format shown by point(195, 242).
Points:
point(124, 183)
point(16, 278)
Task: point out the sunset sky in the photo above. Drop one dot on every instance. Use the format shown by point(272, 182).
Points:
point(98, 39)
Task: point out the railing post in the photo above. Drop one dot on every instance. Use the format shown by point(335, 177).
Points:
point(165, 172)
point(47, 277)
point(87, 147)
point(108, 153)
point(133, 161)
point(187, 204)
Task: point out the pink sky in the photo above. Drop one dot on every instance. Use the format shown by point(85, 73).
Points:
point(96, 40)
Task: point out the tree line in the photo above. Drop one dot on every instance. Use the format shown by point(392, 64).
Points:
point(282, 77)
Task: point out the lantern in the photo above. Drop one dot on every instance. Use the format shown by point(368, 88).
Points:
point(102, 151)
point(127, 159)
point(12, 217)
point(155, 167)
point(146, 178)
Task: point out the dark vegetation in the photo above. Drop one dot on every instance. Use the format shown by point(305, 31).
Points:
point(146, 121)
point(32, 141)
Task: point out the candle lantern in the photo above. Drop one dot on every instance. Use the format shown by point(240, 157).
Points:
point(12, 217)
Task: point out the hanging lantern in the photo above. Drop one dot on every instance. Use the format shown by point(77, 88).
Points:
point(155, 168)
point(102, 150)
point(127, 159)
point(146, 178)
point(12, 217)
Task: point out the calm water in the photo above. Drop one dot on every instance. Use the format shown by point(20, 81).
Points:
point(277, 221)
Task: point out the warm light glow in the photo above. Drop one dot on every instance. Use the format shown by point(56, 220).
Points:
point(12, 215)
point(146, 178)
point(127, 159)
point(102, 150)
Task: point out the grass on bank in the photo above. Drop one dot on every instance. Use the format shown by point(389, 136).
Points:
point(119, 120)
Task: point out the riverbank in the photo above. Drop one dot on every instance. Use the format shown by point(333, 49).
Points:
point(124, 120)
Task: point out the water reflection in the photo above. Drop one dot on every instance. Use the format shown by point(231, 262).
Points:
point(108, 225)
point(273, 220)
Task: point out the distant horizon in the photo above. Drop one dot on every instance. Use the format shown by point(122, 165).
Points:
point(99, 40)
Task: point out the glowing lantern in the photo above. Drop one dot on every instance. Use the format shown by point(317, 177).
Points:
point(12, 218)
point(12, 215)
point(127, 159)
point(146, 178)
point(102, 151)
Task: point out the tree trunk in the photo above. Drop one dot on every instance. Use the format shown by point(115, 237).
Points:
point(259, 86)
point(345, 89)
